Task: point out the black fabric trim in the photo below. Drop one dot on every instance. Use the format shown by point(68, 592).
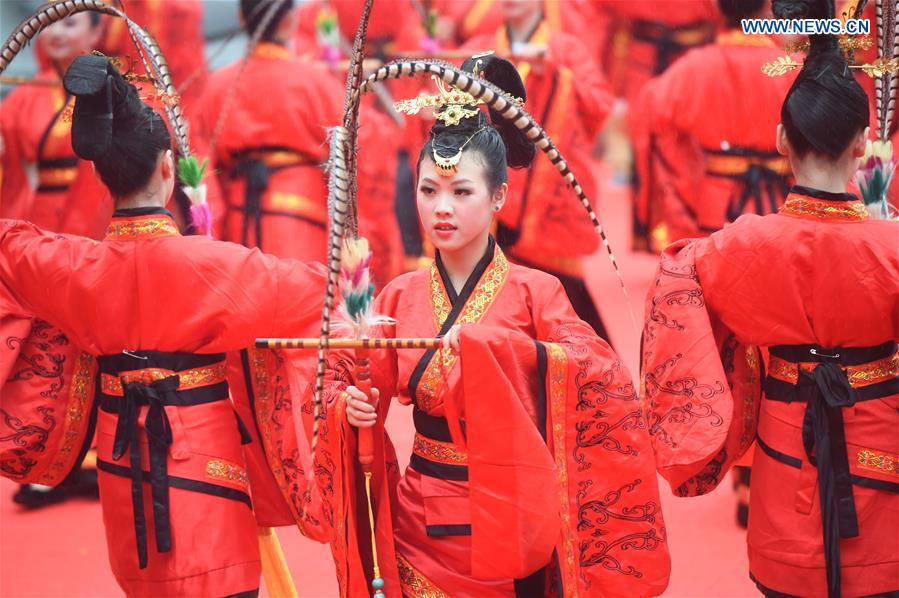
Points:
point(145, 211)
point(177, 362)
point(58, 163)
point(777, 455)
point(785, 392)
point(279, 214)
point(52, 188)
point(542, 369)
point(46, 133)
point(847, 355)
point(180, 398)
point(533, 585)
point(430, 426)
point(769, 593)
point(181, 483)
point(458, 303)
point(742, 152)
point(251, 396)
point(825, 195)
point(442, 531)
point(857, 480)
point(441, 471)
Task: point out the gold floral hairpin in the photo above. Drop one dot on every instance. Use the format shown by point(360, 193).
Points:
point(451, 105)
point(877, 68)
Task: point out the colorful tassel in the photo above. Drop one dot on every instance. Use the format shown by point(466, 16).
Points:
point(875, 176)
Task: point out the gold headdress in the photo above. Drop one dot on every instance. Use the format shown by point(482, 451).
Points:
point(451, 107)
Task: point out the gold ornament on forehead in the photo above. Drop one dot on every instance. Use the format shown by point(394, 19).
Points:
point(449, 166)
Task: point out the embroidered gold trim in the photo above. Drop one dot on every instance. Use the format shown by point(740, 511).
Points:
point(750, 401)
point(441, 452)
point(141, 228)
point(414, 583)
point(558, 390)
point(73, 436)
point(879, 462)
point(477, 306)
point(219, 469)
point(192, 378)
point(820, 209)
point(56, 176)
point(859, 376)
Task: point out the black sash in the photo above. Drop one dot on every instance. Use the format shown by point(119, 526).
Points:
point(825, 391)
point(665, 39)
point(156, 396)
point(761, 184)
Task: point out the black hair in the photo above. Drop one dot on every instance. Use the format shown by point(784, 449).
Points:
point(112, 127)
point(253, 11)
point(735, 11)
point(826, 108)
point(498, 142)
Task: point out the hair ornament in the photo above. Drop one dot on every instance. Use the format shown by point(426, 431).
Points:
point(449, 166)
point(451, 105)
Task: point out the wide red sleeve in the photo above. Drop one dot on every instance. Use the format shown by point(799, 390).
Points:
point(613, 520)
point(15, 193)
point(592, 92)
point(702, 385)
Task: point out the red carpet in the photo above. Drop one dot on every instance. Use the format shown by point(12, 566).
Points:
point(60, 551)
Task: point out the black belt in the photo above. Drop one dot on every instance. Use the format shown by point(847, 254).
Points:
point(665, 39)
point(826, 390)
point(156, 395)
point(761, 183)
point(435, 428)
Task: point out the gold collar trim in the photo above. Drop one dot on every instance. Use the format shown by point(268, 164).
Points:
point(141, 227)
point(812, 208)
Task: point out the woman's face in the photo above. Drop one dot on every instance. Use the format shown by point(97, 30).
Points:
point(457, 210)
point(71, 37)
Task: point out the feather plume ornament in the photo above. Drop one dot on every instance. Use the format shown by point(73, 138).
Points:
point(190, 171)
point(358, 292)
point(875, 176)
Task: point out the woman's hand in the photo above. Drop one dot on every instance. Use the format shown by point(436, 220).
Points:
point(359, 411)
point(451, 338)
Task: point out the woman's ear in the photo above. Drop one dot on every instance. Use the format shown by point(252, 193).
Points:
point(860, 143)
point(499, 197)
point(781, 141)
point(167, 165)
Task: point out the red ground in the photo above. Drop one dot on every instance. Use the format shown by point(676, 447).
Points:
point(60, 551)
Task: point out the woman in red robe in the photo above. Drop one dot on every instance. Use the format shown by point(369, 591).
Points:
point(41, 178)
point(529, 436)
point(541, 226)
point(811, 293)
point(269, 155)
point(699, 163)
point(149, 328)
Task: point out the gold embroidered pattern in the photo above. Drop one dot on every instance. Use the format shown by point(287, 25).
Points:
point(879, 462)
point(443, 361)
point(193, 378)
point(747, 437)
point(73, 436)
point(859, 376)
point(141, 228)
point(558, 390)
point(441, 452)
point(219, 469)
point(414, 583)
point(820, 209)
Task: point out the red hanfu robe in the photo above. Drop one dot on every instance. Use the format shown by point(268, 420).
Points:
point(530, 440)
point(542, 224)
point(699, 163)
point(814, 292)
point(270, 156)
point(646, 36)
point(42, 180)
point(154, 304)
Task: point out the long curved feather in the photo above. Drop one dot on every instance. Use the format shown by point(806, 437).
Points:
point(351, 110)
point(151, 55)
point(498, 100)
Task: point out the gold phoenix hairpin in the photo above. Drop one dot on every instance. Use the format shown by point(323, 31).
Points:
point(877, 68)
point(454, 101)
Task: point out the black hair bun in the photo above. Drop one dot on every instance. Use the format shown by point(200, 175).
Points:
point(520, 150)
point(88, 80)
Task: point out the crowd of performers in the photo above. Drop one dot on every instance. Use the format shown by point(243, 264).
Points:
point(128, 323)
